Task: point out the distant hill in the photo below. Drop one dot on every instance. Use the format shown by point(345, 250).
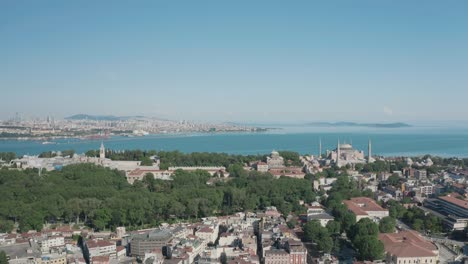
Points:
point(101, 117)
point(353, 124)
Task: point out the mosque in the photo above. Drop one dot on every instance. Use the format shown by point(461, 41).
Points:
point(345, 154)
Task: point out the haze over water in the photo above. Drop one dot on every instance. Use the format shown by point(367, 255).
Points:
point(412, 141)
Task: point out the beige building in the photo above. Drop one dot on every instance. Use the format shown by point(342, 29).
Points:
point(262, 166)
point(275, 161)
point(52, 242)
point(408, 247)
point(101, 248)
point(364, 207)
point(276, 256)
point(140, 172)
point(52, 259)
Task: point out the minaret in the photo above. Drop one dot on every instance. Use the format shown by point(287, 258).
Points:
point(369, 150)
point(338, 152)
point(320, 148)
point(102, 151)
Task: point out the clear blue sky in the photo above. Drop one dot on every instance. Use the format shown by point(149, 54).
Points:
point(357, 60)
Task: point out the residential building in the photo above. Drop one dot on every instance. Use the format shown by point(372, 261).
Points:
point(147, 242)
point(52, 242)
point(297, 252)
point(276, 256)
point(101, 248)
point(262, 167)
point(52, 259)
point(420, 175)
point(208, 233)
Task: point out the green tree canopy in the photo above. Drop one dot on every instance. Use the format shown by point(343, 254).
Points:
point(387, 225)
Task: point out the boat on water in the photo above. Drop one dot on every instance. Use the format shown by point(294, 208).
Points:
point(48, 143)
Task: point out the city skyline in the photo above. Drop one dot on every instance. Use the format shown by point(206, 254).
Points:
point(371, 61)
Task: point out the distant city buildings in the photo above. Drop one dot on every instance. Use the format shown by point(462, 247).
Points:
point(90, 127)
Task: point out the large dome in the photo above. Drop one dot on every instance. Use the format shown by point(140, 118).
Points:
point(346, 146)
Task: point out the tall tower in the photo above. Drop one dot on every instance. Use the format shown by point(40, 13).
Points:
point(338, 152)
point(369, 150)
point(320, 148)
point(102, 151)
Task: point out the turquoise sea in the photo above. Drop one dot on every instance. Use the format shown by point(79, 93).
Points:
point(412, 141)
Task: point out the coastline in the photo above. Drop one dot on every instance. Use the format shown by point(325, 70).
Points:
point(404, 143)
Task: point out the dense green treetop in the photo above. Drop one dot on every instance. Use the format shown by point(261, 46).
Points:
point(7, 156)
point(315, 232)
point(102, 198)
point(387, 225)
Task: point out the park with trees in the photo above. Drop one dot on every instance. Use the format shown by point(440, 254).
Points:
point(103, 199)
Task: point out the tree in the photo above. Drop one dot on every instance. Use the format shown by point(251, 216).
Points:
point(387, 225)
point(3, 258)
point(32, 220)
point(6, 226)
point(334, 227)
point(324, 241)
point(418, 224)
point(68, 152)
point(396, 210)
point(315, 232)
point(236, 170)
point(103, 198)
point(146, 161)
point(364, 236)
point(102, 218)
point(7, 156)
point(369, 248)
point(223, 258)
point(292, 223)
point(150, 182)
point(365, 227)
point(394, 180)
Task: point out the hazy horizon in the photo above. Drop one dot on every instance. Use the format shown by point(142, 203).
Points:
point(242, 61)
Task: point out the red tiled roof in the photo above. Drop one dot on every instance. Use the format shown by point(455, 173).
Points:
point(100, 259)
point(407, 244)
point(206, 230)
point(99, 243)
point(362, 205)
point(119, 248)
point(10, 236)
